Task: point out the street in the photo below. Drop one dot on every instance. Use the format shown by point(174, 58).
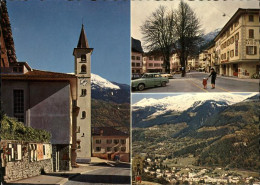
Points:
point(193, 83)
point(118, 174)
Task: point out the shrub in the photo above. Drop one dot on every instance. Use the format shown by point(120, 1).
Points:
point(11, 129)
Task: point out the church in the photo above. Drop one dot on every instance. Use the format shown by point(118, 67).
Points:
point(57, 102)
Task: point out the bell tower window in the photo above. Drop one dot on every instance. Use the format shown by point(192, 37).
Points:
point(83, 92)
point(83, 115)
point(83, 69)
point(83, 58)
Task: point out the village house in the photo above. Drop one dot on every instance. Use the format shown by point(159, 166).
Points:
point(110, 144)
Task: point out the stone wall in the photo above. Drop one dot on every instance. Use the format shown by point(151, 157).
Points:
point(65, 157)
point(22, 160)
point(61, 155)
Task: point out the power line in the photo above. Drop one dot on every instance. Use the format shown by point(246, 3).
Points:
point(224, 14)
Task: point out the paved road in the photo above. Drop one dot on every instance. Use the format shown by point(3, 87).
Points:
point(193, 83)
point(107, 175)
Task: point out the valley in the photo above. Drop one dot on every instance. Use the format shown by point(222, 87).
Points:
point(209, 134)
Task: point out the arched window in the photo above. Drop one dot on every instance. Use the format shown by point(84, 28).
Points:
point(83, 69)
point(83, 115)
point(83, 58)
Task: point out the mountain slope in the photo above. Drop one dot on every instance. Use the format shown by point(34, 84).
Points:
point(227, 136)
point(191, 108)
point(110, 105)
point(109, 114)
point(238, 148)
point(102, 89)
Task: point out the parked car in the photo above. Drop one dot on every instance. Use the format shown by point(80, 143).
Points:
point(167, 75)
point(201, 69)
point(149, 80)
point(136, 76)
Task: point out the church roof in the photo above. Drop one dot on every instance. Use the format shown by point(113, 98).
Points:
point(38, 74)
point(83, 41)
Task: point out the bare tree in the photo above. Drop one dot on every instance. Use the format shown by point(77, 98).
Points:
point(173, 30)
point(188, 33)
point(158, 31)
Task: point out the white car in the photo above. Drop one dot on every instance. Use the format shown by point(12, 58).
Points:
point(167, 75)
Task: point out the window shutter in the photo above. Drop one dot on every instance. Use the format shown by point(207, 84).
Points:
point(247, 50)
point(255, 50)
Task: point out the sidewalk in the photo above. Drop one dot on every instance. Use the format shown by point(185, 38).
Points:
point(60, 178)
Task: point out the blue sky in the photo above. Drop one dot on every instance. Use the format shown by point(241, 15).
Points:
point(45, 33)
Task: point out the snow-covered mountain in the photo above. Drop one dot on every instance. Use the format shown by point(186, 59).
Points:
point(99, 82)
point(211, 35)
point(183, 102)
point(102, 89)
point(180, 108)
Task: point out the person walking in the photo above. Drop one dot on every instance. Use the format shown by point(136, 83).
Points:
point(213, 75)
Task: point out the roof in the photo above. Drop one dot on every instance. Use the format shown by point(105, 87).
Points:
point(107, 131)
point(136, 45)
point(83, 42)
point(22, 64)
point(234, 17)
point(38, 74)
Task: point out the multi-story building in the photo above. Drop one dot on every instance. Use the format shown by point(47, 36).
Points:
point(237, 44)
point(153, 62)
point(204, 61)
point(193, 63)
point(175, 64)
point(108, 142)
point(137, 57)
point(212, 58)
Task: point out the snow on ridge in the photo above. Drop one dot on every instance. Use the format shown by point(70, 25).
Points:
point(185, 101)
point(103, 83)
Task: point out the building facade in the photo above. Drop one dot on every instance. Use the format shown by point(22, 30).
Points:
point(193, 63)
point(212, 58)
point(237, 45)
point(153, 63)
point(204, 61)
point(175, 63)
point(108, 143)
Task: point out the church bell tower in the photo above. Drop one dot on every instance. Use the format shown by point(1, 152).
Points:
point(82, 60)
